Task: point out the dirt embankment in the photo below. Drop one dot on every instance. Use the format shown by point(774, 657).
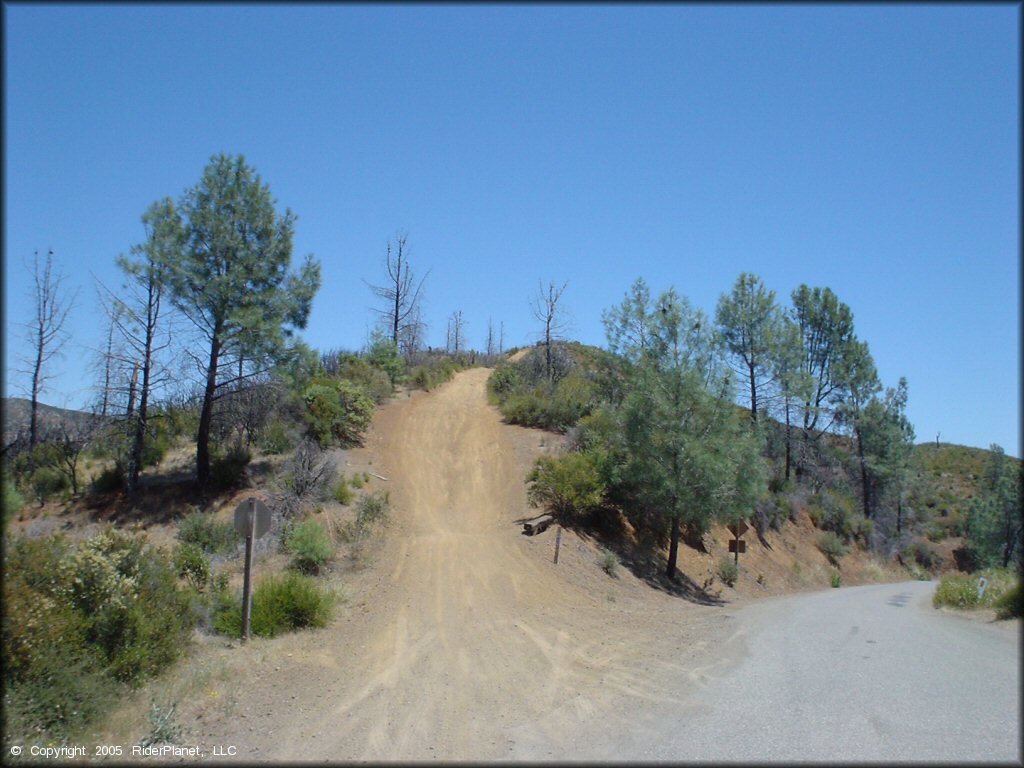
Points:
point(463, 641)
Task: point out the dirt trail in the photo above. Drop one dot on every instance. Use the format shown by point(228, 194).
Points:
point(472, 645)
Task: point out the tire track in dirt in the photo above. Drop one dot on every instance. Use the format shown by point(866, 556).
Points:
point(474, 647)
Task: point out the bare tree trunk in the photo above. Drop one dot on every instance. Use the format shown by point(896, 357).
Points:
point(673, 549)
point(132, 388)
point(46, 332)
point(865, 489)
point(545, 309)
point(789, 436)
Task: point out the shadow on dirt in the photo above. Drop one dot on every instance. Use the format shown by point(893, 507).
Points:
point(642, 558)
point(160, 499)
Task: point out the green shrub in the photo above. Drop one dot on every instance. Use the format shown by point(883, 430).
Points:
point(960, 590)
point(68, 689)
point(228, 471)
point(191, 564)
point(569, 485)
point(156, 445)
point(182, 421)
point(836, 579)
point(163, 728)
point(923, 555)
point(832, 546)
point(337, 411)
point(357, 481)
point(434, 372)
point(47, 482)
point(728, 571)
point(206, 532)
point(277, 438)
point(503, 381)
point(341, 492)
point(956, 591)
point(14, 502)
point(310, 546)
point(372, 508)
point(115, 581)
point(279, 604)
point(863, 529)
point(836, 512)
point(608, 561)
point(111, 479)
point(82, 620)
point(369, 377)
point(383, 355)
point(1010, 605)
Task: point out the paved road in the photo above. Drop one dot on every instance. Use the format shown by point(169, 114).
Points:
point(862, 673)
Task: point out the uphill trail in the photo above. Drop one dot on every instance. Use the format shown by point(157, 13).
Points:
point(471, 644)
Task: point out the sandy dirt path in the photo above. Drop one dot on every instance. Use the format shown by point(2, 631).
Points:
point(472, 644)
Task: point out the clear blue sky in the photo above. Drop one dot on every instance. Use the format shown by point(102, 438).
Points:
point(872, 149)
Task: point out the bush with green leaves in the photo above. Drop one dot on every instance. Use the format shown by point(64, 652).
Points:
point(277, 437)
point(384, 356)
point(956, 591)
point(373, 508)
point(47, 482)
point(110, 480)
point(922, 554)
point(526, 396)
point(569, 485)
point(960, 590)
point(728, 571)
point(227, 470)
point(13, 502)
point(192, 565)
point(341, 492)
point(832, 546)
point(80, 622)
point(434, 372)
point(280, 604)
point(835, 579)
point(503, 381)
point(609, 562)
point(309, 545)
point(1011, 604)
point(209, 534)
point(337, 412)
point(556, 410)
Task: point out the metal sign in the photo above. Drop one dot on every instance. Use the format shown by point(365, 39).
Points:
point(738, 529)
point(738, 546)
point(252, 506)
point(252, 520)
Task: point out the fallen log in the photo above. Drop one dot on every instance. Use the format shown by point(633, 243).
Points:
point(537, 524)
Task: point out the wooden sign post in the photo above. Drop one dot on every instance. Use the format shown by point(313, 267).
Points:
point(252, 520)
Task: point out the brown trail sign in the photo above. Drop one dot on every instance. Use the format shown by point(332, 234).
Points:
point(736, 545)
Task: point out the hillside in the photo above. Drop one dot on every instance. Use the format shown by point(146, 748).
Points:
point(459, 637)
point(17, 413)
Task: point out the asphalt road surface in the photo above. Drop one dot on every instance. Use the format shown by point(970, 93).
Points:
point(868, 673)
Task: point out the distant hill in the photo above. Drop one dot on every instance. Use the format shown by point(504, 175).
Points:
point(17, 414)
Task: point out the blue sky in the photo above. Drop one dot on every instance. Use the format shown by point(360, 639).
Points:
point(872, 149)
